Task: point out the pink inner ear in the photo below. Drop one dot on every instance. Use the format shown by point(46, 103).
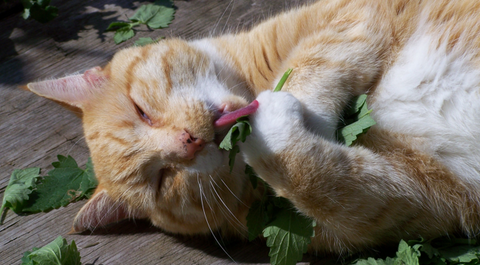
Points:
point(74, 90)
point(100, 211)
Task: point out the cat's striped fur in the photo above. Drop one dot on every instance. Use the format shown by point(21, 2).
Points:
point(148, 120)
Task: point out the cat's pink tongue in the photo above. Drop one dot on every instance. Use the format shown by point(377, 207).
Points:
point(231, 118)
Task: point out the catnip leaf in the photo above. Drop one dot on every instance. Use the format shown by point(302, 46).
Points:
point(350, 132)
point(157, 15)
point(288, 237)
point(281, 202)
point(356, 121)
point(145, 13)
point(408, 254)
point(146, 41)
point(252, 176)
point(166, 3)
point(123, 34)
point(25, 259)
point(461, 253)
point(237, 132)
point(19, 188)
point(256, 219)
point(231, 156)
point(372, 261)
point(118, 25)
point(40, 10)
point(58, 252)
point(64, 184)
point(153, 15)
point(162, 18)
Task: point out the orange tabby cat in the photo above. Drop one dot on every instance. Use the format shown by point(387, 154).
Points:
point(149, 123)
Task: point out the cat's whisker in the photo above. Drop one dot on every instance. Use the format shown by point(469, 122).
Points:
point(202, 194)
point(210, 205)
point(220, 18)
point(222, 201)
point(232, 192)
point(74, 144)
point(229, 15)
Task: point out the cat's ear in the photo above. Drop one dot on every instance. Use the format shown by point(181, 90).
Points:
point(74, 90)
point(99, 211)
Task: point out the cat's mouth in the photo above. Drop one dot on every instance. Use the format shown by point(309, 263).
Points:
point(226, 119)
point(229, 118)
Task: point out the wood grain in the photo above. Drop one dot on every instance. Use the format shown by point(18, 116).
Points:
point(34, 130)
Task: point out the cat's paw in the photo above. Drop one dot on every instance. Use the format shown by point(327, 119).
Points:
point(278, 117)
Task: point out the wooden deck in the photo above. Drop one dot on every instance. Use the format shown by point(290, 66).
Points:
point(34, 130)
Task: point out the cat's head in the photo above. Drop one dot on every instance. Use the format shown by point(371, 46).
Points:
point(148, 121)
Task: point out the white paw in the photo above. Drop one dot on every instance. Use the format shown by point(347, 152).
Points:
point(278, 117)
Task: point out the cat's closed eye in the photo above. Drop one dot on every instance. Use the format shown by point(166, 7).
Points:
point(142, 114)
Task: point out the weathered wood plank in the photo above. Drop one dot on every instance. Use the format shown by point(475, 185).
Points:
point(34, 130)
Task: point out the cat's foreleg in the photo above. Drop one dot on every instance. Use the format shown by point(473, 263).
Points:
point(358, 197)
point(332, 66)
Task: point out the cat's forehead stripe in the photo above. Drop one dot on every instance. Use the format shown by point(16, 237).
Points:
point(130, 73)
point(167, 70)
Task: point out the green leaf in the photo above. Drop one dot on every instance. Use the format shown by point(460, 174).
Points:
point(123, 34)
point(39, 10)
point(25, 259)
point(146, 41)
point(407, 254)
point(461, 254)
point(57, 252)
point(162, 18)
point(357, 120)
point(237, 132)
point(153, 15)
point(372, 261)
point(145, 13)
point(350, 132)
point(288, 237)
point(64, 184)
point(19, 188)
point(231, 156)
point(166, 3)
point(252, 176)
point(118, 25)
point(281, 202)
point(256, 219)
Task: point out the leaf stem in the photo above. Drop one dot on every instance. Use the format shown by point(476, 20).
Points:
point(283, 80)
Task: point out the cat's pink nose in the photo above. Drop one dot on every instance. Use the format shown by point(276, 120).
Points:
point(191, 145)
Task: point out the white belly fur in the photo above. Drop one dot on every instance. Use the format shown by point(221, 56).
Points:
point(434, 95)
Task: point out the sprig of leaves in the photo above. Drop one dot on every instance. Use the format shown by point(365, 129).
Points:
point(238, 132)
point(146, 41)
point(157, 15)
point(440, 251)
point(19, 188)
point(40, 10)
point(58, 252)
point(242, 129)
point(288, 232)
point(28, 192)
point(356, 120)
